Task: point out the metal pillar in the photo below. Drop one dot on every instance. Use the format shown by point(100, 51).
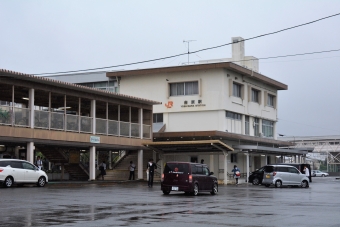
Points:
point(140, 164)
point(247, 157)
point(92, 169)
point(31, 107)
point(225, 167)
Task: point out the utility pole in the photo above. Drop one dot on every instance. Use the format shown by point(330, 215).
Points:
point(188, 41)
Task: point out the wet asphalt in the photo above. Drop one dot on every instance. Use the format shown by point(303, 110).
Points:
point(134, 204)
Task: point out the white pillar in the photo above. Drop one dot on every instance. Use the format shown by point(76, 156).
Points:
point(140, 121)
point(140, 164)
point(225, 168)
point(266, 161)
point(93, 115)
point(31, 107)
point(92, 168)
point(247, 157)
point(30, 152)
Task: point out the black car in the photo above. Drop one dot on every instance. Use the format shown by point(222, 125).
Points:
point(190, 178)
point(256, 177)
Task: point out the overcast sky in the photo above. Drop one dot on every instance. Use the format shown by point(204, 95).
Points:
point(52, 36)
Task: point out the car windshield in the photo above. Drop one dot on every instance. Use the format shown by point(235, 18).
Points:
point(178, 168)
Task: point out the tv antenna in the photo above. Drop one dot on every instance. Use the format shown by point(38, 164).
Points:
point(188, 41)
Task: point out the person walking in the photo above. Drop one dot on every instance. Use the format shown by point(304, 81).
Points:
point(202, 161)
point(39, 163)
point(151, 167)
point(102, 168)
point(132, 168)
point(237, 173)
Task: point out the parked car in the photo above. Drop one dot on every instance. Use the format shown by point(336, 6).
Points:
point(318, 173)
point(280, 175)
point(189, 178)
point(15, 171)
point(256, 177)
point(300, 167)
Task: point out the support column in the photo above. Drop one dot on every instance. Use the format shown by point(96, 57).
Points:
point(211, 164)
point(225, 168)
point(110, 160)
point(247, 157)
point(30, 152)
point(92, 164)
point(140, 165)
point(266, 161)
point(93, 115)
point(140, 121)
point(31, 107)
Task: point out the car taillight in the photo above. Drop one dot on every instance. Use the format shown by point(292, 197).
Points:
point(274, 173)
point(190, 178)
point(162, 179)
point(1, 170)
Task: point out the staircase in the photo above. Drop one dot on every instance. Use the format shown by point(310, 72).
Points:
point(57, 157)
point(121, 170)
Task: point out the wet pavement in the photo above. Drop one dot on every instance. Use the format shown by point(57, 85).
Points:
point(134, 204)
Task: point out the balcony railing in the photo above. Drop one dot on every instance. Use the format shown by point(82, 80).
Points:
point(67, 122)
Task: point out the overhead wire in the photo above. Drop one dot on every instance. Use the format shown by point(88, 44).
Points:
point(204, 49)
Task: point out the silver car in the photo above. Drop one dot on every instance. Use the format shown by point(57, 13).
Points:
point(318, 173)
point(279, 175)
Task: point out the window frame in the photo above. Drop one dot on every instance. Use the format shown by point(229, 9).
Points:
point(237, 92)
point(267, 128)
point(195, 88)
point(271, 100)
point(255, 95)
point(233, 115)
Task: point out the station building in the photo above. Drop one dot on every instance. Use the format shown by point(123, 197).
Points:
point(222, 111)
point(68, 123)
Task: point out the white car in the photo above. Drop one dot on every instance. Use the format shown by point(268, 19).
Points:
point(318, 173)
point(15, 171)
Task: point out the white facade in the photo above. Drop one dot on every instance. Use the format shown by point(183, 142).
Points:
point(207, 109)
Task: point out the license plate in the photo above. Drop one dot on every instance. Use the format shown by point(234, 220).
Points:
point(268, 176)
point(174, 188)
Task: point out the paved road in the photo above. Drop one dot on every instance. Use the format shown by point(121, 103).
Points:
point(134, 204)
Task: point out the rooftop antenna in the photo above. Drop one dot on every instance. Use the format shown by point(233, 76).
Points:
point(188, 41)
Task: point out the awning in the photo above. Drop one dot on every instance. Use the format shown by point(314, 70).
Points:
point(271, 150)
point(189, 146)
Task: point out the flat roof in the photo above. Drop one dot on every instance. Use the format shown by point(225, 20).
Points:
point(226, 65)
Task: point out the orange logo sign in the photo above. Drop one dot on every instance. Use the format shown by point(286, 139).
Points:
point(169, 104)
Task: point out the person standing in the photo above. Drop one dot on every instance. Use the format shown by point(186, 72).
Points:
point(202, 161)
point(39, 163)
point(151, 167)
point(132, 168)
point(306, 170)
point(102, 168)
point(237, 173)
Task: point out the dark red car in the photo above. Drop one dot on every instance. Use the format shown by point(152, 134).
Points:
point(188, 177)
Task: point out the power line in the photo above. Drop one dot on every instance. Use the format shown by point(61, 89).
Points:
point(177, 55)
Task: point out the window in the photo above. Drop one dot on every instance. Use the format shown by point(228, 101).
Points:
point(270, 100)
point(28, 166)
point(158, 118)
point(247, 125)
point(267, 128)
point(256, 127)
point(232, 115)
point(237, 90)
point(185, 88)
point(255, 95)
point(103, 85)
point(233, 158)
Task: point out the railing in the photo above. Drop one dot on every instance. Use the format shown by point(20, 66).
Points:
point(16, 116)
point(41, 119)
point(231, 175)
point(135, 130)
point(86, 124)
point(57, 121)
point(72, 122)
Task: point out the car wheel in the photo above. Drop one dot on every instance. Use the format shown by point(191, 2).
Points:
point(304, 184)
point(214, 190)
point(196, 189)
point(166, 192)
point(323, 175)
point(256, 181)
point(267, 185)
point(278, 184)
point(8, 182)
point(41, 182)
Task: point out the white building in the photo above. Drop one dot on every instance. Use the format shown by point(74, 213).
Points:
point(228, 109)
